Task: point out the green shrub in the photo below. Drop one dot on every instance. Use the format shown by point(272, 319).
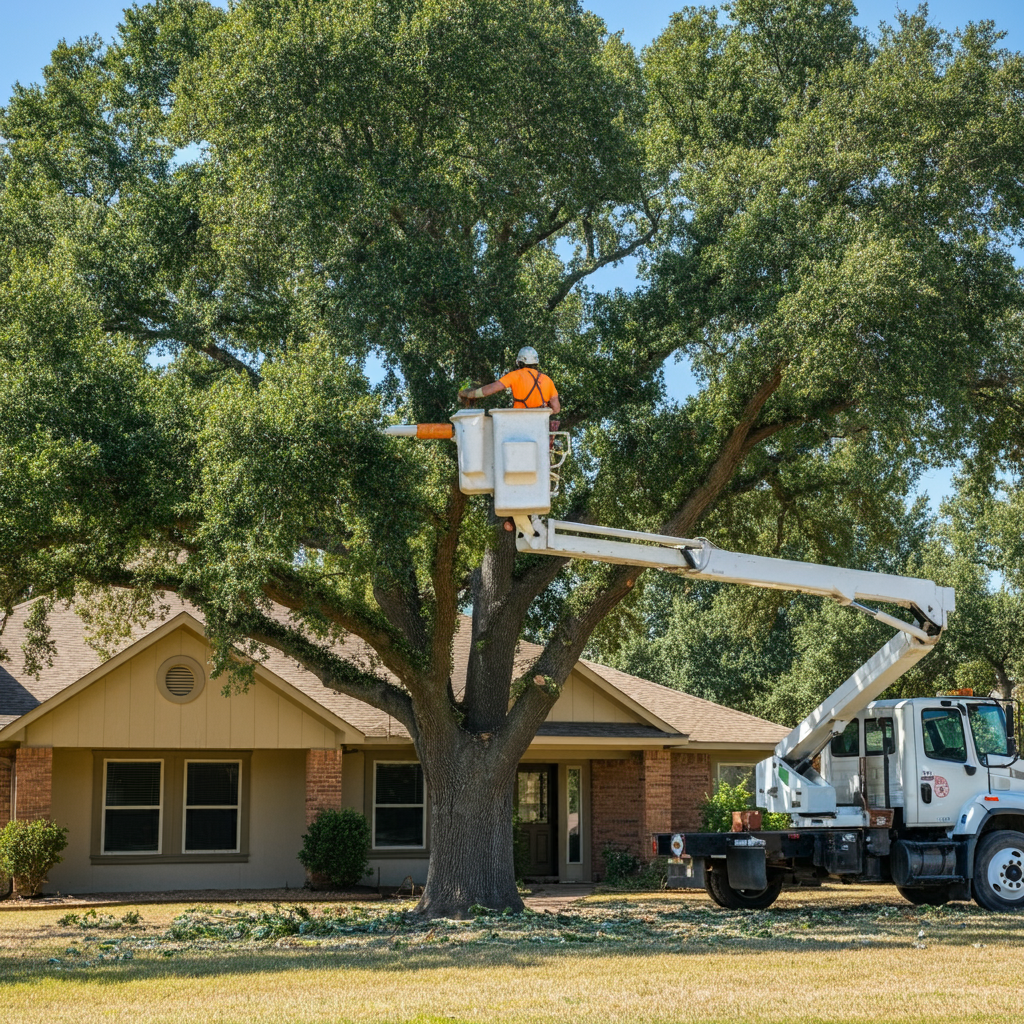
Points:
point(716, 810)
point(774, 821)
point(28, 849)
point(337, 845)
point(619, 865)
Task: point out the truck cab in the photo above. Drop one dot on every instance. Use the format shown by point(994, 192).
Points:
point(925, 758)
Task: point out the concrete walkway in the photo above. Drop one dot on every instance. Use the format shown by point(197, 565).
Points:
point(555, 896)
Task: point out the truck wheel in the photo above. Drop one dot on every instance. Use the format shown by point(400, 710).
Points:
point(933, 895)
point(999, 871)
point(718, 888)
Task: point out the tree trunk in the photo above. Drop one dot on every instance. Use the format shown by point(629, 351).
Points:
point(471, 855)
point(1004, 685)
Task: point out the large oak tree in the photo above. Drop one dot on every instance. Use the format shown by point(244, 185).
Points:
point(268, 196)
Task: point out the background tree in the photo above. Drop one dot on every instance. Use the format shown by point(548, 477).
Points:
point(823, 229)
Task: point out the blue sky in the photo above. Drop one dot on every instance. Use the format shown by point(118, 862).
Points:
point(31, 30)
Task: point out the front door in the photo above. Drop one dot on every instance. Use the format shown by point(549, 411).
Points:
point(536, 786)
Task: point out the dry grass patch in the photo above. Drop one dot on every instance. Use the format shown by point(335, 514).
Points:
point(835, 955)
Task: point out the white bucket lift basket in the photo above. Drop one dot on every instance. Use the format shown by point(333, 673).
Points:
point(508, 452)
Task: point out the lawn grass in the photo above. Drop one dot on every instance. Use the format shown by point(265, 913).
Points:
point(847, 954)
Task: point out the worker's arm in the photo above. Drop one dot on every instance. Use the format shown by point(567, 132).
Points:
point(483, 392)
point(554, 404)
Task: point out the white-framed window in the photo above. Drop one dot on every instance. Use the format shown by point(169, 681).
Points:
point(212, 817)
point(399, 806)
point(574, 815)
point(132, 818)
point(734, 774)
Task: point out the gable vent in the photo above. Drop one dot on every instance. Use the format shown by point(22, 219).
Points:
point(179, 680)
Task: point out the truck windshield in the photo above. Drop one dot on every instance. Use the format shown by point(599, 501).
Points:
point(988, 724)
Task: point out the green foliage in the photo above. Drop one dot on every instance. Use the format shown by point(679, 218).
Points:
point(28, 849)
point(619, 864)
point(337, 844)
point(91, 919)
point(823, 226)
point(716, 810)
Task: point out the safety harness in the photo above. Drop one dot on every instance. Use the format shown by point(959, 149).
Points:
point(533, 387)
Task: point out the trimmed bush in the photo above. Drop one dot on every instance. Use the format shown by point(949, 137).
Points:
point(337, 846)
point(716, 811)
point(28, 849)
point(619, 865)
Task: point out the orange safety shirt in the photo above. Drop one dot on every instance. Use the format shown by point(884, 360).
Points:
point(531, 389)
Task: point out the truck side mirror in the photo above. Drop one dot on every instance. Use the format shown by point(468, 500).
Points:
point(1011, 732)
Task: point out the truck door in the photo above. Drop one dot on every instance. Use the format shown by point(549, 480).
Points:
point(883, 766)
point(945, 770)
point(843, 766)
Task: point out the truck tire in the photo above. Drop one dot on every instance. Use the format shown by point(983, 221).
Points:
point(933, 895)
point(999, 871)
point(716, 883)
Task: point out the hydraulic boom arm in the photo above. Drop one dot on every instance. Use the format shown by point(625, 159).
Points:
point(507, 453)
point(700, 559)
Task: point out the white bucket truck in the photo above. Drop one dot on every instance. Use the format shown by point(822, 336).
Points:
point(925, 793)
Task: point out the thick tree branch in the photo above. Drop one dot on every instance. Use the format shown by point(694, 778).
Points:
point(570, 637)
point(334, 672)
point(445, 589)
point(524, 718)
point(732, 453)
point(292, 591)
point(621, 253)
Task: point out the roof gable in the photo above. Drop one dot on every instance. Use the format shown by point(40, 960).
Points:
point(117, 704)
point(613, 701)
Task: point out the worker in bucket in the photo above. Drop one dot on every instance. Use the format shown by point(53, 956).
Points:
point(530, 388)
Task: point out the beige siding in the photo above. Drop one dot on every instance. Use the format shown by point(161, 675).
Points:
point(352, 769)
point(581, 701)
point(276, 824)
point(124, 709)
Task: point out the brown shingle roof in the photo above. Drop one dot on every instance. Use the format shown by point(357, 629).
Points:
point(703, 721)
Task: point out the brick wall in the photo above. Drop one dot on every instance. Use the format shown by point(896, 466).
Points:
point(691, 782)
point(614, 808)
point(33, 768)
point(6, 780)
point(323, 782)
point(654, 791)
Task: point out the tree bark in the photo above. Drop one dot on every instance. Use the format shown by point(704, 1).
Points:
point(1004, 684)
point(471, 855)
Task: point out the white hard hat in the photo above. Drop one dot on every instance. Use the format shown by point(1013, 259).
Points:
point(528, 356)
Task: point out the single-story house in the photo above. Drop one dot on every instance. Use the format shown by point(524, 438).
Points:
point(164, 783)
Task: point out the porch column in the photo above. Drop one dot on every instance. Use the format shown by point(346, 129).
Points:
point(323, 782)
point(614, 818)
point(6, 785)
point(33, 778)
point(655, 792)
